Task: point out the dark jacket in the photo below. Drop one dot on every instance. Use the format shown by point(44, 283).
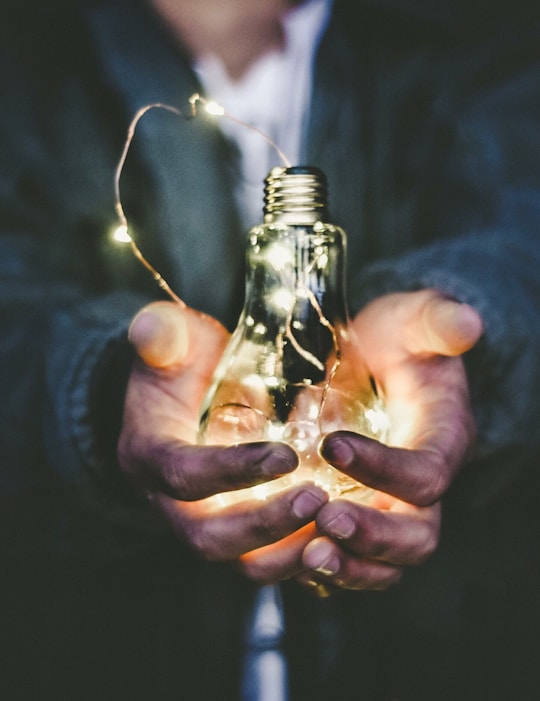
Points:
point(427, 124)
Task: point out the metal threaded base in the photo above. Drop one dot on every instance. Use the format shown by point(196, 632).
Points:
point(295, 195)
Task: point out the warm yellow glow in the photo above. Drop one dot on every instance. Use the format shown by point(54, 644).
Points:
point(260, 491)
point(313, 412)
point(402, 421)
point(214, 109)
point(282, 299)
point(121, 234)
point(275, 432)
point(322, 261)
point(378, 421)
point(279, 256)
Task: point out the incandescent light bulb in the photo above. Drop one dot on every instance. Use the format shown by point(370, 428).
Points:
point(290, 372)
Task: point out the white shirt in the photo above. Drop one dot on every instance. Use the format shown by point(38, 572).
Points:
point(273, 95)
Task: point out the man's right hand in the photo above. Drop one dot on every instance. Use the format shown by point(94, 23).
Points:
point(177, 352)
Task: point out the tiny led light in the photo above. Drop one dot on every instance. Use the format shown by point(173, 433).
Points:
point(275, 432)
point(378, 420)
point(210, 107)
point(214, 109)
point(282, 299)
point(278, 260)
point(322, 261)
point(313, 412)
point(279, 256)
point(121, 234)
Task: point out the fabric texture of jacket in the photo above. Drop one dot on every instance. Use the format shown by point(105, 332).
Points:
point(427, 126)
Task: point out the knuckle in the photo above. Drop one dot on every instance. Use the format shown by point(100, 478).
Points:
point(175, 478)
point(197, 538)
point(380, 480)
point(156, 465)
point(369, 542)
point(267, 529)
point(434, 483)
point(375, 547)
point(232, 461)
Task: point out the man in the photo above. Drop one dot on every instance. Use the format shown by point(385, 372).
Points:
point(428, 140)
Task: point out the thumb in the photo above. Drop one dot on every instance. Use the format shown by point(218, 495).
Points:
point(165, 334)
point(446, 327)
point(159, 334)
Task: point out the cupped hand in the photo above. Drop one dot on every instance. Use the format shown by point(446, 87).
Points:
point(412, 343)
point(177, 351)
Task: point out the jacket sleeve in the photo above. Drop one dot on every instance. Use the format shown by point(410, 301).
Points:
point(64, 311)
point(486, 252)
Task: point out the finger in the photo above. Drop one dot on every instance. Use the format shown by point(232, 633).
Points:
point(191, 472)
point(417, 476)
point(397, 326)
point(402, 535)
point(165, 334)
point(328, 563)
point(278, 561)
point(444, 327)
point(222, 534)
point(159, 334)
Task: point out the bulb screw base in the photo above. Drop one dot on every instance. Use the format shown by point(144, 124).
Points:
point(295, 195)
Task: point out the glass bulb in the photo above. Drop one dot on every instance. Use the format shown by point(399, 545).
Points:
point(289, 372)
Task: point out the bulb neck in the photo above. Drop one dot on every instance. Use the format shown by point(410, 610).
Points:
point(295, 195)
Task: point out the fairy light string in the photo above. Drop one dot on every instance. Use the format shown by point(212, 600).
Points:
point(122, 233)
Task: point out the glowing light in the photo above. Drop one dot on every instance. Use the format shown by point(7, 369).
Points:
point(275, 432)
point(378, 421)
point(259, 492)
point(121, 234)
point(282, 299)
point(279, 256)
point(214, 109)
point(253, 382)
point(322, 261)
point(313, 412)
point(210, 107)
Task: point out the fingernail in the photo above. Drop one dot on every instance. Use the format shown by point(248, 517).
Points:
point(306, 504)
point(322, 559)
point(342, 526)
point(278, 460)
point(337, 451)
point(159, 334)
